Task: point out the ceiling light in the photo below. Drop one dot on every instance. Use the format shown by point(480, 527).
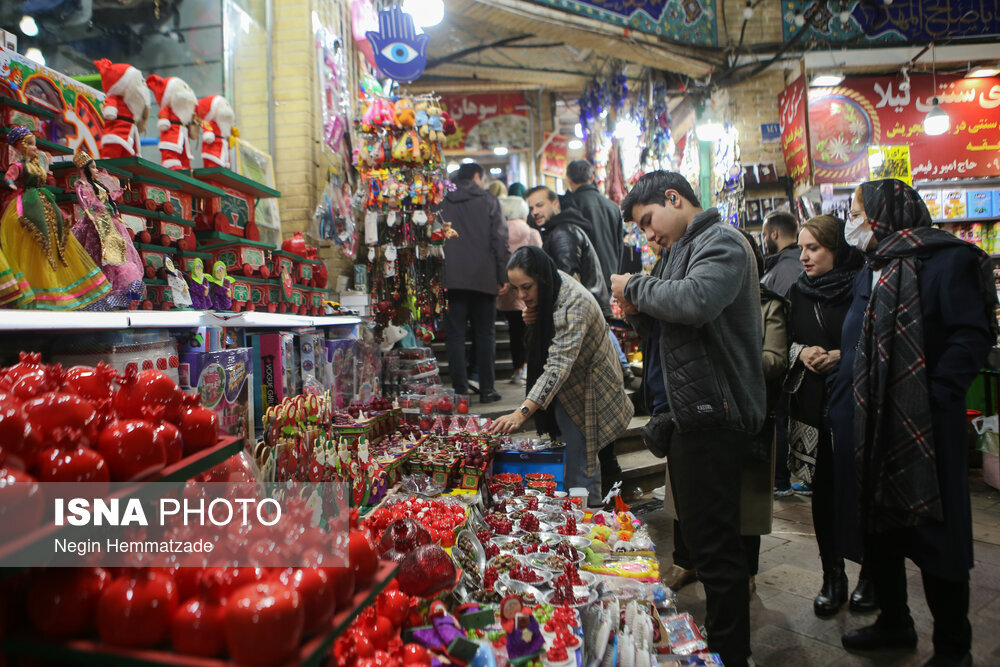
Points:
point(467, 160)
point(500, 150)
point(496, 171)
point(574, 144)
point(28, 26)
point(425, 13)
point(35, 54)
point(982, 72)
point(578, 131)
point(708, 128)
point(826, 79)
point(748, 11)
point(452, 167)
point(937, 121)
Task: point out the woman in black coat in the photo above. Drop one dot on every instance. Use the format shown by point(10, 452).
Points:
point(819, 302)
point(918, 331)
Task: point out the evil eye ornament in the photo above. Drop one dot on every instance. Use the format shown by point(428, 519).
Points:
point(400, 52)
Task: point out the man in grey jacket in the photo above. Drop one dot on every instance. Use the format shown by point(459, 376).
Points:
point(475, 271)
point(782, 267)
point(704, 311)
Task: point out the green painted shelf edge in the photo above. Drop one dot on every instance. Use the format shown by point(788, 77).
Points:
point(140, 168)
point(236, 181)
point(158, 215)
point(220, 238)
point(27, 108)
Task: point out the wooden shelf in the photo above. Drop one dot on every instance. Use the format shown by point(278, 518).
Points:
point(141, 169)
point(37, 320)
point(231, 179)
point(97, 653)
point(27, 108)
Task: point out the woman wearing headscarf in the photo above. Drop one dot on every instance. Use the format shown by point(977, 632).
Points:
point(575, 387)
point(819, 302)
point(918, 330)
point(515, 211)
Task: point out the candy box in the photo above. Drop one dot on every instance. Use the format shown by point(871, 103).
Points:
point(222, 379)
point(277, 370)
point(979, 203)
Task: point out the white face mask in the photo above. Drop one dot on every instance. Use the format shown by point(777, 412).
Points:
point(858, 232)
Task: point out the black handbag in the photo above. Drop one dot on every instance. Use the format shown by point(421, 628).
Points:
point(657, 432)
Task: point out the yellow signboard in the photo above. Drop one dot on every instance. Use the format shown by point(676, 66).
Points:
point(889, 162)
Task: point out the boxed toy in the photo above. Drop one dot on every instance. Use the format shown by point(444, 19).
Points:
point(223, 381)
point(934, 204)
point(954, 205)
point(312, 359)
point(276, 368)
point(342, 356)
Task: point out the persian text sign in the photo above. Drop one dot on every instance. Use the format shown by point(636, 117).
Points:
point(889, 162)
point(486, 121)
point(871, 111)
point(554, 156)
point(794, 123)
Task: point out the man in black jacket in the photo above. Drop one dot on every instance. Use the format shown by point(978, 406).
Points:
point(566, 241)
point(475, 271)
point(607, 231)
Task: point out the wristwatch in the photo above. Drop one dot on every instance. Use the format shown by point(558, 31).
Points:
point(525, 411)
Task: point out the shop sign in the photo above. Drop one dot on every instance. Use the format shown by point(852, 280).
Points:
point(889, 162)
point(488, 120)
point(872, 111)
point(77, 106)
point(770, 132)
point(554, 154)
point(794, 122)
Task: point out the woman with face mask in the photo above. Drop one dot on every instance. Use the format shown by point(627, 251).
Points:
point(918, 330)
point(819, 302)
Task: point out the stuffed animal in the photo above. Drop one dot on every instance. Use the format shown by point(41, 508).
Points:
point(390, 336)
point(422, 111)
point(126, 108)
point(449, 126)
point(378, 112)
point(435, 123)
point(217, 118)
point(177, 105)
point(406, 116)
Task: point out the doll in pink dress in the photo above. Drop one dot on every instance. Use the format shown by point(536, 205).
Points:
point(106, 238)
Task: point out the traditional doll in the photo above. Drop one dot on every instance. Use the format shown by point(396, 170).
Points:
point(37, 241)
point(178, 286)
point(198, 282)
point(177, 103)
point(126, 108)
point(217, 118)
point(221, 287)
point(101, 231)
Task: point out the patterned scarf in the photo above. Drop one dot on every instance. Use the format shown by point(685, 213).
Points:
point(894, 439)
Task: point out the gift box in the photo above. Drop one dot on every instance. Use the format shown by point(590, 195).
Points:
point(277, 371)
point(223, 380)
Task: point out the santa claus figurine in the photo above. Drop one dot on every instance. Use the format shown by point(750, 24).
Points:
point(126, 108)
point(217, 124)
point(177, 103)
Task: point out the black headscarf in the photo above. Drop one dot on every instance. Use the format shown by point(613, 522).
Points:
point(835, 285)
point(538, 336)
point(891, 206)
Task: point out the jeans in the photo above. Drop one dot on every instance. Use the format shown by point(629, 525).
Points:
point(618, 348)
point(705, 473)
point(948, 600)
point(480, 310)
point(575, 466)
point(516, 327)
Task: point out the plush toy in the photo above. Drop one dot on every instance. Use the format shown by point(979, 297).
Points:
point(379, 111)
point(217, 119)
point(422, 108)
point(448, 124)
point(435, 123)
point(405, 114)
point(177, 105)
point(126, 108)
point(390, 336)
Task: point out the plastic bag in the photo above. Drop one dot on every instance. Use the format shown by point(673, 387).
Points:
point(987, 439)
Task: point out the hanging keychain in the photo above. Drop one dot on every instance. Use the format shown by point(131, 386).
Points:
point(389, 254)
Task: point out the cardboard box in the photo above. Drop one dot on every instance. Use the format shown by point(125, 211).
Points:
point(996, 204)
point(934, 203)
point(954, 205)
point(342, 378)
point(223, 380)
point(979, 203)
point(276, 368)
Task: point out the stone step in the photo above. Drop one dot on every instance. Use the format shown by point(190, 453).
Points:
point(642, 469)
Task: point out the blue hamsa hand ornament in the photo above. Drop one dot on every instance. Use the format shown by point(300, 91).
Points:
point(400, 52)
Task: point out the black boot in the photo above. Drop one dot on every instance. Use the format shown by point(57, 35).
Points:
point(833, 595)
point(876, 637)
point(863, 597)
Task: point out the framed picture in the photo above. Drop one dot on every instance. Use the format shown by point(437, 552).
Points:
point(765, 207)
point(753, 212)
point(256, 165)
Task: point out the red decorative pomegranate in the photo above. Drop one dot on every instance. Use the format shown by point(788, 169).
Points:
point(22, 503)
point(62, 602)
point(296, 244)
point(198, 626)
point(319, 599)
point(148, 395)
point(169, 436)
point(131, 450)
point(136, 610)
point(199, 428)
point(264, 623)
point(61, 420)
point(362, 557)
point(71, 465)
point(426, 571)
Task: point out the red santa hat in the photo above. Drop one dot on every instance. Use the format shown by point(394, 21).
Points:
point(116, 78)
point(163, 89)
point(208, 107)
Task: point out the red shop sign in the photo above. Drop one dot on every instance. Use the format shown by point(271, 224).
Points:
point(794, 121)
point(488, 120)
point(872, 111)
point(554, 158)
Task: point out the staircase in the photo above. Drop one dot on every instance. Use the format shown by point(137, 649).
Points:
point(639, 467)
